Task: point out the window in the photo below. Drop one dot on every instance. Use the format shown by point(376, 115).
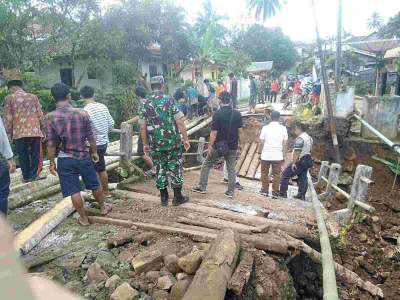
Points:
point(153, 70)
point(66, 76)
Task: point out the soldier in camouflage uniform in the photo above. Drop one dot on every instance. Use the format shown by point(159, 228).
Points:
point(160, 114)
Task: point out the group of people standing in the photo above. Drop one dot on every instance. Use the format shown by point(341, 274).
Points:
point(262, 90)
point(78, 138)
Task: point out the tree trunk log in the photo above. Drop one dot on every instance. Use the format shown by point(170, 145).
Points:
point(212, 278)
point(242, 273)
point(248, 160)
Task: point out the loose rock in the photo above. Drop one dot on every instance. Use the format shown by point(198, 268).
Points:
point(125, 255)
point(363, 237)
point(165, 283)
point(191, 262)
point(181, 276)
point(161, 295)
point(125, 292)
point(96, 273)
point(152, 276)
point(147, 261)
point(171, 263)
point(113, 282)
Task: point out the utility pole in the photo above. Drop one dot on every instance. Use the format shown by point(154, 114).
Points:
point(332, 123)
point(338, 61)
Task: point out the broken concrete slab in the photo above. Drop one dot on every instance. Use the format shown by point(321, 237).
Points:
point(171, 263)
point(191, 262)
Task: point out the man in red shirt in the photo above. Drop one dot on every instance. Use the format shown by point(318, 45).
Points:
point(22, 121)
point(275, 87)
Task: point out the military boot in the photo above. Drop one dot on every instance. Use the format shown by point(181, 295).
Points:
point(178, 197)
point(164, 197)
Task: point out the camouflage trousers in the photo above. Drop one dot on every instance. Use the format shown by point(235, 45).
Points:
point(168, 164)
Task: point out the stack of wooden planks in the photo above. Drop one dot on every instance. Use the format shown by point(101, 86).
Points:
point(249, 164)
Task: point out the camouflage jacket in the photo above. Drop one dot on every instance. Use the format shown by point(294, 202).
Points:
point(160, 113)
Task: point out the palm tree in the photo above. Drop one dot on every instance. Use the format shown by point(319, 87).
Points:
point(375, 22)
point(265, 8)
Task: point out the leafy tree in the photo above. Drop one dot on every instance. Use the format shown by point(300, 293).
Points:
point(375, 22)
point(392, 28)
point(210, 17)
point(264, 9)
point(263, 44)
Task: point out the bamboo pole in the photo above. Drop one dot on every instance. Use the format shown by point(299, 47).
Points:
point(328, 269)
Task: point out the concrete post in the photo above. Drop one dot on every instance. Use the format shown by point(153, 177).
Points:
point(323, 171)
point(333, 178)
point(359, 189)
point(126, 144)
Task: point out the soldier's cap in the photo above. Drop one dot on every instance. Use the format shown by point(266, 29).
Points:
point(14, 82)
point(157, 80)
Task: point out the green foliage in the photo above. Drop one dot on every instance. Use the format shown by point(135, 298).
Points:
point(265, 8)
point(305, 66)
point(263, 44)
point(375, 22)
point(393, 165)
point(362, 87)
point(392, 28)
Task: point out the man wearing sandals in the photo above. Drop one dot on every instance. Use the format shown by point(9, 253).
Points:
point(67, 132)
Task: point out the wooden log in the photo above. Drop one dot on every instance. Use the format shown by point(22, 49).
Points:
point(268, 242)
point(349, 276)
point(214, 223)
point(297, 231)
point(212, 278)
point(253, 166)
point(242, 273)
point(242, 157)
point(248, 160)
point(19, 200)
point(36, 231)
point(119, 240)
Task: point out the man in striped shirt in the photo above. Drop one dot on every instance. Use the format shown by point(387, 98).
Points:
point(102, 122)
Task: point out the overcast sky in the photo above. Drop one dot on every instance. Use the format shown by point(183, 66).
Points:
point(295, 19)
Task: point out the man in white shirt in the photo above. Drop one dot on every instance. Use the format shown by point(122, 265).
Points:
point(272, 150)
point(102, 122)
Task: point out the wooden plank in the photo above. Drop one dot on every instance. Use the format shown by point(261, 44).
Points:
point(257, 176)
point(253, 166)
point(248, 160)
point(242, 156)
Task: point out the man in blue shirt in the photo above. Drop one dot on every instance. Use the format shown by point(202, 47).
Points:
point(5, 168)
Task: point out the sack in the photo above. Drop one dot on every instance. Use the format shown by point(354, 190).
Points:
point(222, 147)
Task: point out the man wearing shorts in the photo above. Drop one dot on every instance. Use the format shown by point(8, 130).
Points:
point(68, 130)
point(102, 122)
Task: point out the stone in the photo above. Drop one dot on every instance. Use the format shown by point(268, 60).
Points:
point(96, 273)
point(363, 237)
point(152, 276)
point(376, 228)
point(171, 263)
point(190, 262)
point(125, 292)
point(179, 289)
point(161, 295)
point(181, 276)
point(107, 260)
point(113, 282)
point(147, 261)
point(165, 282)
point(144, 239)
point(391, 253)
point(125, 255)
point(375, 219)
